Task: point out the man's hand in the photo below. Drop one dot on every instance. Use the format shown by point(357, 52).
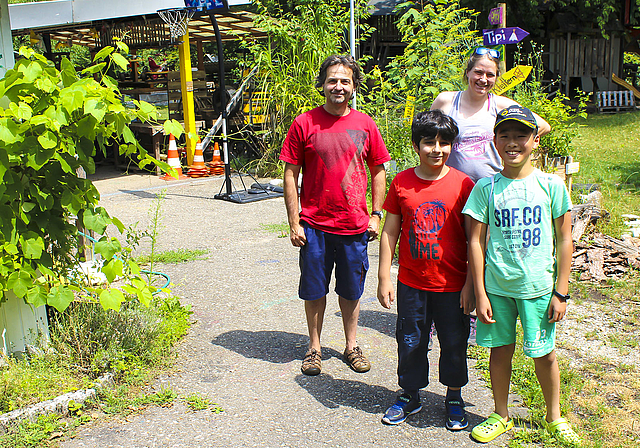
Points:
point(297, 236)
point(374, 227)
point(557, 309)
point(483, 310)
point(385, 293)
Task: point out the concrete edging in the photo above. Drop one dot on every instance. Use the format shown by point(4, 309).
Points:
point(59, 405)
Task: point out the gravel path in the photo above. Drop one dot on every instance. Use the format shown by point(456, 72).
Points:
point(244, 351)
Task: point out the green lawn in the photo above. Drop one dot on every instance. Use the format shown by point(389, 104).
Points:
point(608, 150)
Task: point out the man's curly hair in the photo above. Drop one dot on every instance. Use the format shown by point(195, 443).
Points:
point(346, 60)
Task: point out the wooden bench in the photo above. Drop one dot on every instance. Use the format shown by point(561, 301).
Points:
point(615, 100)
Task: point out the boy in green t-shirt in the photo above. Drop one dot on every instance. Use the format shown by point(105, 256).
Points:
point(521, 269)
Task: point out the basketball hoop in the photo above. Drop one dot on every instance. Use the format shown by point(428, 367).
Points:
point(177, 19)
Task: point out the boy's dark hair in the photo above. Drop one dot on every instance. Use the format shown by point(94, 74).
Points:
point(432, 123)
point(341, 59)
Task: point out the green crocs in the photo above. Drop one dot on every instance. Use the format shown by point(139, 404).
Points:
point(562, 432)
point(491, 428)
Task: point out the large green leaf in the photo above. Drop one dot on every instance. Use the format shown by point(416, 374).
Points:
point(103, 53)
point(20, 282)
point(97, 220)
point(60, 297)
point(71, 99)
point(93, 69)
point(173, 127)
point(45, 84)
point(145, 296)
point(120, 60)
point(108, 247)
point(37, 296)
point(9, 132)
point(21, 111)
point(48, 140)
point(111, 299)
point(95, 107)
point(33, 246)
point(113, 269)
point(31, 71)
point(68, 72)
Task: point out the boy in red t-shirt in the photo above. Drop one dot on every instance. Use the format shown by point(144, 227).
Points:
point(424, 208)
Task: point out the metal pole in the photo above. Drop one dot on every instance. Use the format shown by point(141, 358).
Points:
point(352, 38)
point(223, 103)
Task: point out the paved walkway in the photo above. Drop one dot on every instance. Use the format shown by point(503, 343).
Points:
point(245, 350)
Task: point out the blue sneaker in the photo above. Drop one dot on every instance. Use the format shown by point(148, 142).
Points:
point(456, 416)
point(401, 409)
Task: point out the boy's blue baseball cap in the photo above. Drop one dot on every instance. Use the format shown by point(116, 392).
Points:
point(517, 113)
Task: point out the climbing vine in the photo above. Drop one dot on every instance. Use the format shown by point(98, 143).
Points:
point(51, 124)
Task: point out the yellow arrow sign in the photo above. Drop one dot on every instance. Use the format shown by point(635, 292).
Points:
point(409, 109)
point(512, 78)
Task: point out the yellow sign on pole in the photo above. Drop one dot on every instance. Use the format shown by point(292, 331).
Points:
point(512, 78)
point(409, 109)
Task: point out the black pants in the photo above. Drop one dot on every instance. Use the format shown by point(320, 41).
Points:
point(417, 309)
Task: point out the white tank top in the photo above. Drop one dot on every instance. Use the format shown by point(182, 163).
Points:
point(473, 152)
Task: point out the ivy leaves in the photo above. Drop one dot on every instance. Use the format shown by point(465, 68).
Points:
point(51, 126)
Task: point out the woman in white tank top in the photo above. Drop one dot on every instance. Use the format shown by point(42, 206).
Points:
point(475, 110)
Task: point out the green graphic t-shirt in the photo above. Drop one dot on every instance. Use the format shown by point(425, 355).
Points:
point(519, 262)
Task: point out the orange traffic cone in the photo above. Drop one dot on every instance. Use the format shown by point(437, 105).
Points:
point(216, 166)
point(173, 160)
point(198, 169)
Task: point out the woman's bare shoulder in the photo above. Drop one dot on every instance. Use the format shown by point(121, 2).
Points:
point(443, 101)
point(503, 102)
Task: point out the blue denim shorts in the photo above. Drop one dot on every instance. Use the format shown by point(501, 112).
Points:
point(319, 255)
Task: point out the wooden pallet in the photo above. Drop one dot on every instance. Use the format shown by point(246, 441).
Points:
point(615, 101)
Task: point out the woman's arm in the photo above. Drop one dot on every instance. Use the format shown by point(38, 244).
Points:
point(503, 102)
point(443, 101)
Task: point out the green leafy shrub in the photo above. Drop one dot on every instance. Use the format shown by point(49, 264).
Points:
point(556, 110)
point(387, 109)
point(438, 35)
point(51, 124)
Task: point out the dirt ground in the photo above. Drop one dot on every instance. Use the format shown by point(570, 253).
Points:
point(245, 348)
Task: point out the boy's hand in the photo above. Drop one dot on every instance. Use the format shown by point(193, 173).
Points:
point(467, 297)
point(557, 310)
point(484, 311)
point(385, 293)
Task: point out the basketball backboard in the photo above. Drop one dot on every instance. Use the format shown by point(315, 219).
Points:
point(208, 5)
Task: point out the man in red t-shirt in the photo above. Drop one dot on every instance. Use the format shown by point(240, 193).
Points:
point(332, 145)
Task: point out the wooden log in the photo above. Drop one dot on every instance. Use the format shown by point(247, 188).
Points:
point(596, 264)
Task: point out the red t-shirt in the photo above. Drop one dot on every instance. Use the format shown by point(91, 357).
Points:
point(333, 152)
point(433, 245)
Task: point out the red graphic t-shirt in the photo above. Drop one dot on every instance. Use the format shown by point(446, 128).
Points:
point(334, 152)
point(433, 245)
